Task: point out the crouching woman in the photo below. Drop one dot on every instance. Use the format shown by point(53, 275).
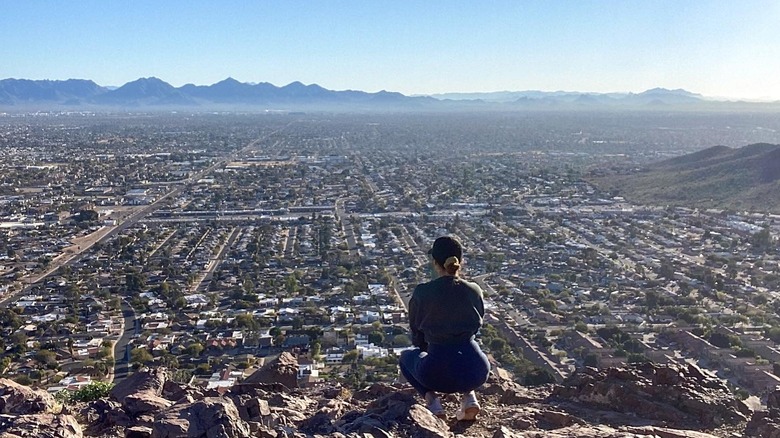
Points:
point(444, 316)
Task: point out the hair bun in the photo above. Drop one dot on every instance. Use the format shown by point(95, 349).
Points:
point(452, 261)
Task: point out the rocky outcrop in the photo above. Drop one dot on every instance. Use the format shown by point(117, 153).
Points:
point(679, 396)
point(19, 399)
point(640, 401)
point(283, 369)
point(28, 412)
point(766, 424)
point(210, 417)
point(142, 392)
point(40, 426)
point(150, 380)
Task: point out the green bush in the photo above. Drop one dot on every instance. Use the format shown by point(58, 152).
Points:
point(87, 393)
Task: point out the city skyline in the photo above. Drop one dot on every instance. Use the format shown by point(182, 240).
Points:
point(714, 48)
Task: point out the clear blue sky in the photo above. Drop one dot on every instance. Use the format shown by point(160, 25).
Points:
point(726, 48)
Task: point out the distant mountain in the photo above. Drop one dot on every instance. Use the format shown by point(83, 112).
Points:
point(649, 98)
point(23, 94)
point(145, 91)
point(229, 93)
point(719, 177)
point(23, 90)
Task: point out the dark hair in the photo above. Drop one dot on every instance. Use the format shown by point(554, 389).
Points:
point(447, 251)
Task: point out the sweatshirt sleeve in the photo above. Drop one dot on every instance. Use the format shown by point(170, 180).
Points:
point(418, 337)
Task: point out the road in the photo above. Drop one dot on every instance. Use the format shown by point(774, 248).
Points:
point(122, 346)
point(346, 228)
point(202, 284)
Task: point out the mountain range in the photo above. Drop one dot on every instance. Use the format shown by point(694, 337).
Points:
point(746, 178)
point(154, 92)
point(25, 94)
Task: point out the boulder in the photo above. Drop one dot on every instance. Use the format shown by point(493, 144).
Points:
point(283, 369)
point(145, 402)
point(40, 426)
point(100, 415)
point(424, 424)
point(22, 400)
point(211, 417)
point(145, 380)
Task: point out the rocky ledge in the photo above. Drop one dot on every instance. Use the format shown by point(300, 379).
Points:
point(642, 401)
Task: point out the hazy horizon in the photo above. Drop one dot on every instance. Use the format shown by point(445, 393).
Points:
point(716, 49)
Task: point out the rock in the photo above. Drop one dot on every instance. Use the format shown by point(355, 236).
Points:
point(100, 415)
point(557, 420)
point(172, 428)
point(514, 394)
point(299, 403)
point(667, 376)
point(764, 425)
point(138, 432)
point(211, 417)
point(21, 400)
point(337, 392)
point(374, 392)
point(146, 380)
point(260, 407)
point(664, 432)
point(392, 407)
point(262, 390)
point(773, 399)
point(283, 369)
point(505, 432)
point(145, 402)
point(41, 426)
point(668, 393)
point(425, 425)
point(174, 391)
point(325, 418)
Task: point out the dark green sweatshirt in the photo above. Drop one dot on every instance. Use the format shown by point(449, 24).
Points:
point(446, 310)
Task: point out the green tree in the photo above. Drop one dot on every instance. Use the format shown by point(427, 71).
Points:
point(376, 337)
point(140, 355)
point(194, 349)
point(350, 356)
point(401, 340)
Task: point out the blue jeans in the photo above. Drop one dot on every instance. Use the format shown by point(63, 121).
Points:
point(455, 368)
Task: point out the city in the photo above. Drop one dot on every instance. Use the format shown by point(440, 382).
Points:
point(207, 242)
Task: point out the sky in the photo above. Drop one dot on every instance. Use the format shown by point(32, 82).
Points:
point(718, 48)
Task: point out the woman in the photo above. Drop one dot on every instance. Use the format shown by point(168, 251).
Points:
point(444, 315)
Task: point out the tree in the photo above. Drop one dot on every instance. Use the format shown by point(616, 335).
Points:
point(401, 340)
point(591, 360)
point(350, 356)
point(762, 240)
point(247, 321)
point(497, 345)
point(651, 299)
point(316, 349)
point(376, 337)
point(46, 357)
point(140, 356)
point(194, 349)
point(666, 270)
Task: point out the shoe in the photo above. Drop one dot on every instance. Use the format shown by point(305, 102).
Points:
point(433, 403)
point(469, 407)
